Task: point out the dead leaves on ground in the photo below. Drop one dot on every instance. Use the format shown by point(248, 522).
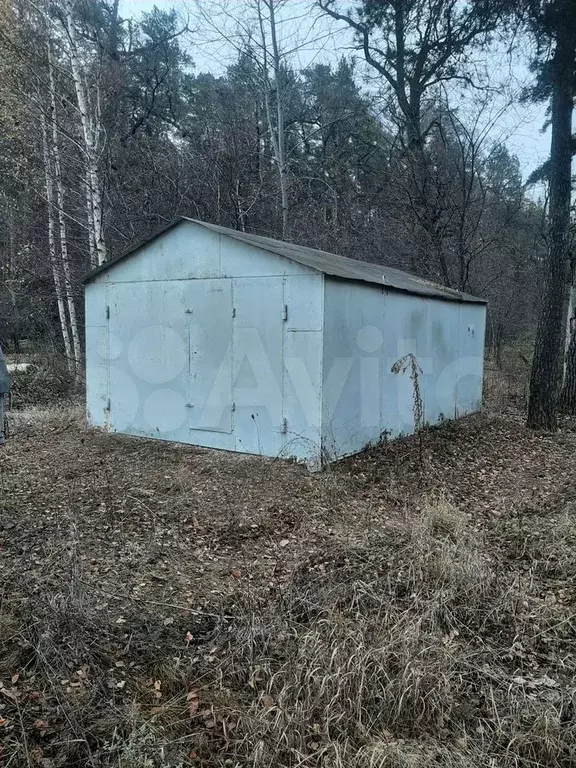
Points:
point(148, 537)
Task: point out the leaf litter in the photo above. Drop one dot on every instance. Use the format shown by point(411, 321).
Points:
point(131, 567)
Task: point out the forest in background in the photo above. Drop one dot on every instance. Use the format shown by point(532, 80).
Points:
point(108, 131)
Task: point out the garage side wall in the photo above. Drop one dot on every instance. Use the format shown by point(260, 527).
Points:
point(369, 331)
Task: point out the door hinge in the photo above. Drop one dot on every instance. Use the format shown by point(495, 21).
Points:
point(233, 407)
point(285, 312)
point(233, 311)
point(284, 426)
point(108, 312)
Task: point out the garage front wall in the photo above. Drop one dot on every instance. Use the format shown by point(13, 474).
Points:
point(201, 339)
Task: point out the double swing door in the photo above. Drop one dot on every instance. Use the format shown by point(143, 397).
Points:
point(198, 361)
point(236, 369)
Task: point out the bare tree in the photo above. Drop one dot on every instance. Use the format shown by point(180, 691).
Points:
point(54, 261)
point(77, 348)
point(417, 47)
point(89, 107)
point(277, 128)
point(252, 28)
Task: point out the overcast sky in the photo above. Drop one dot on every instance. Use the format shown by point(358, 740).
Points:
point(521, 125)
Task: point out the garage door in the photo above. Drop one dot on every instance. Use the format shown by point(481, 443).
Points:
point(148, 340)
point(210, 317)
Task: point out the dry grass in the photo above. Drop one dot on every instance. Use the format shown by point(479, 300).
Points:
point(359, 618)
point(394, 655)
point(47, 381)
point(45, 419)
point(506, 381)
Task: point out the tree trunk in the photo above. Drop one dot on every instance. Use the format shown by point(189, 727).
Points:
point(93, 253)
point(52, 248)
point(62, 224)
point(90, 132)
point(283, 171)
point(568, 396)
point(277, 133)
point(548, 353)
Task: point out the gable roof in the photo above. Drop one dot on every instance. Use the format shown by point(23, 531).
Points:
point(322, 261)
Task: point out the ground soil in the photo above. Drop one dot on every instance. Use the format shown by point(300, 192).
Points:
point(163, 542)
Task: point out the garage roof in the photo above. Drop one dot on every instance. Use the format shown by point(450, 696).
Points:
point(322, 261)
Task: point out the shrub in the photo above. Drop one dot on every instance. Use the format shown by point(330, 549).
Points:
point(45, 382)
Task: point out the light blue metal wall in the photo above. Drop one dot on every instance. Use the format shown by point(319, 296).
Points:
point(201, 339)
point(97, 354)
point(351, 403)
point(366, 330)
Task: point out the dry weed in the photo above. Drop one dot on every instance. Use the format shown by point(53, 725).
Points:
point(45, 419)
point(384, 641)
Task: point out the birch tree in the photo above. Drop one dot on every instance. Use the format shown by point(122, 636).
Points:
point(274, 91)
point(53, 255)
point(89, 108)
point(68, 285)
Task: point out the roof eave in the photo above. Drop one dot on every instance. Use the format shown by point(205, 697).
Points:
point(458, 298)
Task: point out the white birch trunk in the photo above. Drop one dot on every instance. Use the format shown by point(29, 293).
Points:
point(52, 247)
point(90, 132)
point(91, 242)
point(62, 224)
